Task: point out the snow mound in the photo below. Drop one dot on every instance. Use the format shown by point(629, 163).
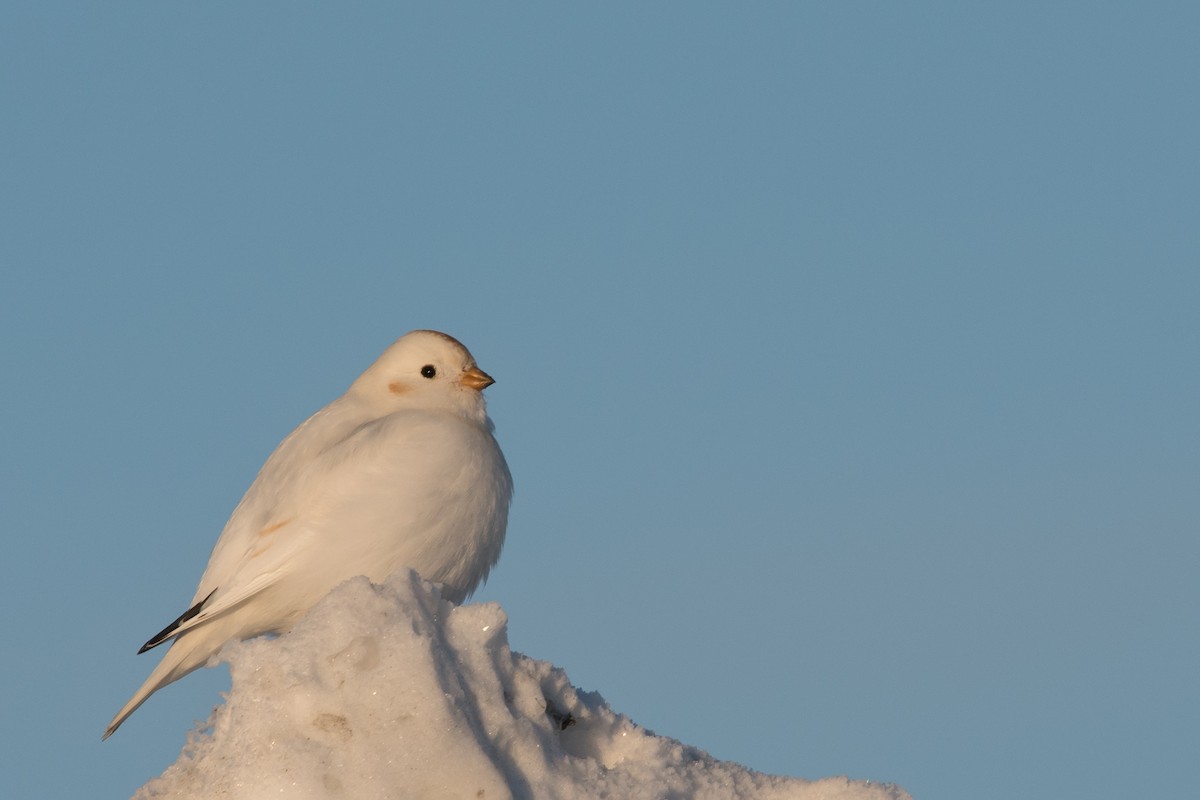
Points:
point(389, 691)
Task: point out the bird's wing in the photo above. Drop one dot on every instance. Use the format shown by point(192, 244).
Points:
point(279, 496)
point(354, 486)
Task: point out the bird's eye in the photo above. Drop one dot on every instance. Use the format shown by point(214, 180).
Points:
point(428, 371)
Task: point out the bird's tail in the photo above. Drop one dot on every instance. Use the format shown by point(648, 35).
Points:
point(189, 652)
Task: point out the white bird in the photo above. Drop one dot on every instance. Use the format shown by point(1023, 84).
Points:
point(400, 471)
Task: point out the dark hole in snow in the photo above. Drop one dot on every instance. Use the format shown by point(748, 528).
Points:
point(563, 719)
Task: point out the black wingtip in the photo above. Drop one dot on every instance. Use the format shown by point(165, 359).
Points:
point(169, 631)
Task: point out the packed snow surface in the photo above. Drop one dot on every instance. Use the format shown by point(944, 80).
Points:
point(389, 691)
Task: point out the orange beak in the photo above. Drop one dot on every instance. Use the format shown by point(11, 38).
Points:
point(475, 378)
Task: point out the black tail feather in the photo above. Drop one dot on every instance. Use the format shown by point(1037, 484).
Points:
point(169, 631)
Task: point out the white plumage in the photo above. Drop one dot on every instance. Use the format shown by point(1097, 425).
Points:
point(400, 471)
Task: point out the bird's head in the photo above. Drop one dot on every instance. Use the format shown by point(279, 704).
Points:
point(426, 369)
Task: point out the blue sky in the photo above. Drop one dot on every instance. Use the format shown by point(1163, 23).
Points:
point(845, 357)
